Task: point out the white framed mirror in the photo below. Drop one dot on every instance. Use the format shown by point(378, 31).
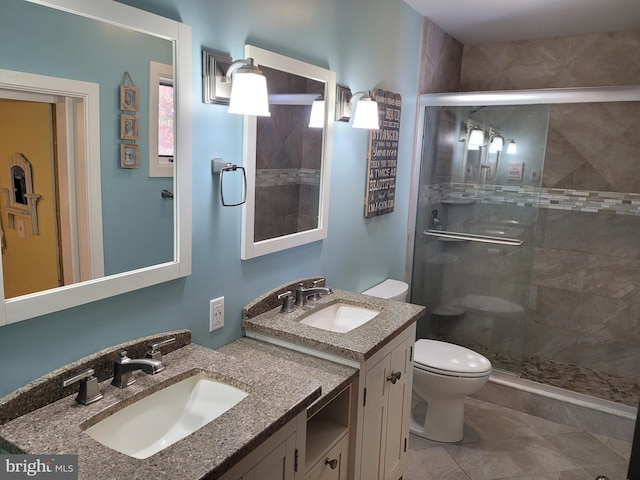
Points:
point(104, 209)
point(287, 162)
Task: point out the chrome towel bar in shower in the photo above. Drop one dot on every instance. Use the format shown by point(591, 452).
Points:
point(472, 237)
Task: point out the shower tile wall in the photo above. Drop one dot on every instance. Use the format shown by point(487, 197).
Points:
point(441, 60)
point(585, 333)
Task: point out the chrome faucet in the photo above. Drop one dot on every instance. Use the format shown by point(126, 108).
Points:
point(123, 367)
point(303, 294)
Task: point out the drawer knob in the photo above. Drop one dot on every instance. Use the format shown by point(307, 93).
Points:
point(332, 463)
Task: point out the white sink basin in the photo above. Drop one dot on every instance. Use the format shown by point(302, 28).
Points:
point(164, 417)
point(340, 317)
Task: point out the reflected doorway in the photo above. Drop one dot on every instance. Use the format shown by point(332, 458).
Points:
point(31, 257)
point(52, 250)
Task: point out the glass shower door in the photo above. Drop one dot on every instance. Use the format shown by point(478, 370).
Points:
point(475, 226)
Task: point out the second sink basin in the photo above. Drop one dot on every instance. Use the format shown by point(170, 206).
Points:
point(340, 317)
point(164, 417)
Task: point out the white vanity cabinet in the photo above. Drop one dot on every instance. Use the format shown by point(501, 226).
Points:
point(380, 351)
point(276, 458)
point(383, 413)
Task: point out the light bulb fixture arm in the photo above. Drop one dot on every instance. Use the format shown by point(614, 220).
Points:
point(247, 63)
point(363, 93)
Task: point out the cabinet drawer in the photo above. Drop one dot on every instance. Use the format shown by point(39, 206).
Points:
point(338, 457)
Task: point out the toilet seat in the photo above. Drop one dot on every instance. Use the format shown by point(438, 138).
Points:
point(448, 359)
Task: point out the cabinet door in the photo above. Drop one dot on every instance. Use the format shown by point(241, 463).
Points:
point(279, 464)
point(374, 420)
point(399, 395)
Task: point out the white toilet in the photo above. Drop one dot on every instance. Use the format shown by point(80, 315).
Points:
point(443, 375)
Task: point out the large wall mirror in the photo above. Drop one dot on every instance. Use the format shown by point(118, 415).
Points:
point(287, 161)
point(96, 220)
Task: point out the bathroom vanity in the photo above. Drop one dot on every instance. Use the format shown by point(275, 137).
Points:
point(319, 404)
point(380, 397)
point(273, 409)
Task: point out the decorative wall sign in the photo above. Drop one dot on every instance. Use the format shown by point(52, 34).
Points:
point(382, 159)
point(514, 170)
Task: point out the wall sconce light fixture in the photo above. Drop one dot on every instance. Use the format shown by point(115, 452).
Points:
point(476, 138)
point(366, 110)
point(239, 84)
point(496, 142)
point(511, 147)
point(316, 120)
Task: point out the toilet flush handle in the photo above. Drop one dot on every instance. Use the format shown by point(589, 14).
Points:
point(394, 377)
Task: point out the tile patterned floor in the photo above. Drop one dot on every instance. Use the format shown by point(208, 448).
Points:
point(500, 443)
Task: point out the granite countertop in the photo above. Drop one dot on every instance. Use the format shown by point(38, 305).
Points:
point(275, 397)
point(332, 376)
point(358, 344)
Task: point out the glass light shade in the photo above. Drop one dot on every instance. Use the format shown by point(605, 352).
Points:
point(366, 115)
point(316, 120)
point(496, 144)
point(511, 147)
point(249, 94)
point(476, 139)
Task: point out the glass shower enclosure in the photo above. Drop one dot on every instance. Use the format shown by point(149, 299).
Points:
point(475, 226)
point(526, 238)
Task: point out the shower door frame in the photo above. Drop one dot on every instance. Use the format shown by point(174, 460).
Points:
point(625, 93)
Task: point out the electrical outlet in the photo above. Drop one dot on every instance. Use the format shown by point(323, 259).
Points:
point(216, 314)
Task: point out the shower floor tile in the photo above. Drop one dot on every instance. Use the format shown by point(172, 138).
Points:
point(563, 375)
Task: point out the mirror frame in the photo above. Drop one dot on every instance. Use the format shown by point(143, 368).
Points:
point(251, 248)
point(49, 301)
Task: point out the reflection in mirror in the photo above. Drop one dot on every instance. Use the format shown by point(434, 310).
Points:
point(103, 229)
point(286, 160)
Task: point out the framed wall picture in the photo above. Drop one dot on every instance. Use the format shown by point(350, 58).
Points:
point(128, 98)
point(128, 155)
point(128, 127)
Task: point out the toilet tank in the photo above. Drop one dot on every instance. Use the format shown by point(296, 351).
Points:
point(390, 290)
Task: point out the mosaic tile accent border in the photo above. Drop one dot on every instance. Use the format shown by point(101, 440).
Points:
point(273, 177)
point(528, 196)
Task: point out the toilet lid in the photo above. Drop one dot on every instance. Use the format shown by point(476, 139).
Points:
point(449, 359)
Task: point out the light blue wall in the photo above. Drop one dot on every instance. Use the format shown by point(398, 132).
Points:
point(368, 43)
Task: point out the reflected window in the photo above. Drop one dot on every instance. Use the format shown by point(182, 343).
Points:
point(165, 120)
point(161, 120)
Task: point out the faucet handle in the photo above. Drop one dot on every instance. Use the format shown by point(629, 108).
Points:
point(321, 282)
point(154, 353)
point(287, 305)
point(89, 391)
